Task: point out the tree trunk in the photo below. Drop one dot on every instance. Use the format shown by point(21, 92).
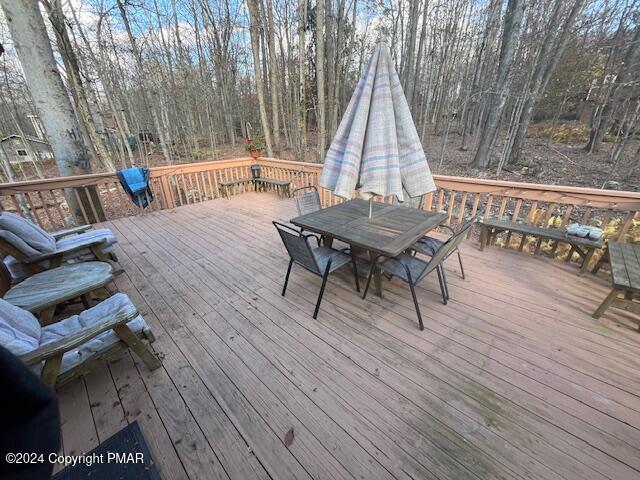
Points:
point(76, 86)
point(510, 35)
point(54, 107)
point(273, 77)
point(164, 135)
point(627, 67)
point(321, 107)
point(550, 54)
point(339, 72)
point(254, 19)
point(302, 78)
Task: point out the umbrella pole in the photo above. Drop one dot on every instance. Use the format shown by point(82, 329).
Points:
point(370, 207)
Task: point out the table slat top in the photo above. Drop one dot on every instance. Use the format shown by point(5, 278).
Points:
point(625, 265)
point(390, 231)
point(59, 284)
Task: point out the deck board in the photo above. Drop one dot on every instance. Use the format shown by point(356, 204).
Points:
point(511, 379)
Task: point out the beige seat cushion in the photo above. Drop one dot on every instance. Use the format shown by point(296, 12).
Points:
point(30, 233)
point(20, 332)
point(107, 309)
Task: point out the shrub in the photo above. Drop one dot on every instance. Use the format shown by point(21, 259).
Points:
point(573, 132)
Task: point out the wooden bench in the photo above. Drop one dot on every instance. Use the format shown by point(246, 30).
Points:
point(624, 259)
point(583, 246)
point(227, 184)
point(282, 186)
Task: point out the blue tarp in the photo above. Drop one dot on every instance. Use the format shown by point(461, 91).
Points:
point(135, 182)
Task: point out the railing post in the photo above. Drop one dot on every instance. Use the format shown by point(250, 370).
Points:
point(167, 193)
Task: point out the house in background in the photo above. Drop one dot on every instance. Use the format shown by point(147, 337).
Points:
point(21, 149)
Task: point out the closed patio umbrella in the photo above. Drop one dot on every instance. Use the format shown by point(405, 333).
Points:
point(376, 149)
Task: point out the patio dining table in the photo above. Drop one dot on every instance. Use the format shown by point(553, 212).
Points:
point(391, 230)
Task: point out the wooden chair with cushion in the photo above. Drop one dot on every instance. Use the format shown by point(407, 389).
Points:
point(320, 261)
point(27, 248)
point(66, 349)
point(412, 270)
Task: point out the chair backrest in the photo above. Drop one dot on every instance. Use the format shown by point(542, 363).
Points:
point(9, 249)
point(411, 202)
point(450, 245)
point(5, 279)
point(297, 246)
point(24, 236)
point(307, 199)
point(20, 331)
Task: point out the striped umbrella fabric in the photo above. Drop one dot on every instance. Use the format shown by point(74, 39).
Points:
point(376, 149)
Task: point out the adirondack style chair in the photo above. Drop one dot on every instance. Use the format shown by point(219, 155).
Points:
point(27, 248)
point(67, 349)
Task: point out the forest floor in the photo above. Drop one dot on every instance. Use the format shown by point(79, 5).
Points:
point(554, 162)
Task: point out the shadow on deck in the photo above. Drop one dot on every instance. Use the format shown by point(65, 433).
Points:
point(512, 379)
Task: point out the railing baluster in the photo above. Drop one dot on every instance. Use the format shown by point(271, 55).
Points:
point(46, 210)
point(213, 185)
point(625, 226)
point(93, 208)
point(33, 209)
point(503, 206)
point(487, 210)
point(84, 213)
point(452, 201)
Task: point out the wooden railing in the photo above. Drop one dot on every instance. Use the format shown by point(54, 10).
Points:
point(535, 204)
point(102, 198)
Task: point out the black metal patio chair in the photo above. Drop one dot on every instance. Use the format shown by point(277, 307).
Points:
point(307, 199)
point(412, 269)
point(320, 260)
point(429, 245)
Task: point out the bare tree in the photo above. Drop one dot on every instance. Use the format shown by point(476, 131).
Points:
point(255, 28)
point(550, 53)
point(320, 82)
point(510, 35)
point(302, 78)
point(273, 77)
point(618, 91)
point(49, 95)
point(75, 82)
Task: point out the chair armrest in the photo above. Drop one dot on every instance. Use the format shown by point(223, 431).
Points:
point(310, 235)
point(62, 251)
point(448, 227)
point(70, 231)
point(64, 345)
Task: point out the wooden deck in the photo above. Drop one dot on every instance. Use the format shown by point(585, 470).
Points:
point(512, 379)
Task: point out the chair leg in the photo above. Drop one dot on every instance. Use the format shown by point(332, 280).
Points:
point(286, 278)
point(444, 282)
point(461, 267)
point(354, 259)
point(415, 303)
point(134, 343)
point(444, 297)
point(324, 284)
